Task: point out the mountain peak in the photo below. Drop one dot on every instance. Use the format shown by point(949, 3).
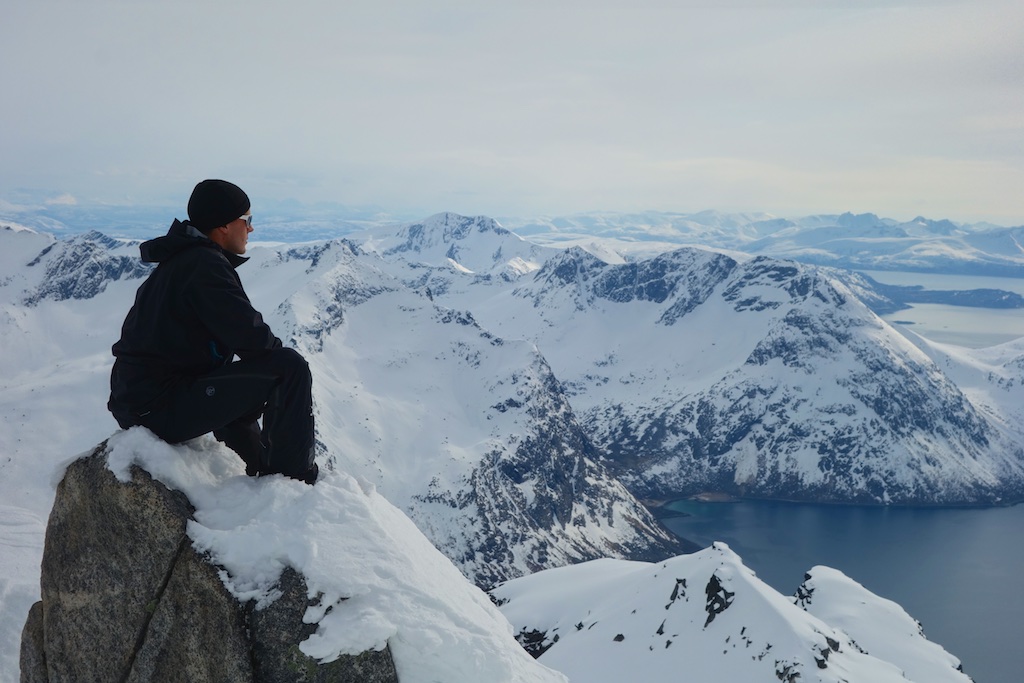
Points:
point(472, 245)
point(444, 229)
point(709, 615)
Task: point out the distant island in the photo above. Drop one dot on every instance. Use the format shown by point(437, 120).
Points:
point(902, 297)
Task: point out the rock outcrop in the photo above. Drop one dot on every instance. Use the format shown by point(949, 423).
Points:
point(125, 597)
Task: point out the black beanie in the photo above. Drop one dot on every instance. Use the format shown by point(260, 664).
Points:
point(215, 203)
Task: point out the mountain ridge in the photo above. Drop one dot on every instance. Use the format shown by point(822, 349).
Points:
point(709, 615)
point(871, 242)
point(793, 319)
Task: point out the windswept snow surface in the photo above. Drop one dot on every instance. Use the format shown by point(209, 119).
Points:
point(380, 581)
point(993, 378)
point(706, 618)
point(878, 626)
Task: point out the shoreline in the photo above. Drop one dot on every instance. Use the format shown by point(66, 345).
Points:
point(658, 505)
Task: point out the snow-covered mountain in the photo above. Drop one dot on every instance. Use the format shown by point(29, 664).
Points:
point(707, 618)
point(852, 241)
point(700, 371)
point(475, 245)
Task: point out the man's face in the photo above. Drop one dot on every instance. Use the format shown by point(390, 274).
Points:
point(236, 234)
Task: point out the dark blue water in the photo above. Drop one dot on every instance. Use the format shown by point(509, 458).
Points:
point(960, 572)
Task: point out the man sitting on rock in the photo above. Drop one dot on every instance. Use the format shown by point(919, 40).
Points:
point(173, 371)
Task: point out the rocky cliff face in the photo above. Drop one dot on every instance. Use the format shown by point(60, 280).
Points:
point(125, 597)
point(83, 266)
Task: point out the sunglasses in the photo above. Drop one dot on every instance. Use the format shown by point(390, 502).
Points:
point(247, 218)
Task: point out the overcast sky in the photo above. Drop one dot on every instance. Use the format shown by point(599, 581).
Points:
point(523, 108)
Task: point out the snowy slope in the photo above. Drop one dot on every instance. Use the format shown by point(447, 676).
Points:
point(875, 625)
point(21, 245)
point(707, 618)
point(992, 377)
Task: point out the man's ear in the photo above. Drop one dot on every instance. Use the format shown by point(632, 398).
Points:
point(215, 234)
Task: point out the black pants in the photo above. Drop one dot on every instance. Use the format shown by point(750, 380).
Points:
point(230, 400)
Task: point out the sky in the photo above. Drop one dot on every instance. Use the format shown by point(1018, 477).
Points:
point(795, 107)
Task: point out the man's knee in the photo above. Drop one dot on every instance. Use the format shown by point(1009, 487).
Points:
point(288, 360)
point(290, 364)
point(295, 358)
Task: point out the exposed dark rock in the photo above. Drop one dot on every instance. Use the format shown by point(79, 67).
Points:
point(81, 268)
point(786, 672)
point(191, 618)
point(33, 661)
point(719, 599)
point(535, 642)
point(125, 597)
point(678, 591)
point(570, 488)
point(681, 280)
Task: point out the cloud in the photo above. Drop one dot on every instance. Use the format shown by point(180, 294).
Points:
point(545, 106)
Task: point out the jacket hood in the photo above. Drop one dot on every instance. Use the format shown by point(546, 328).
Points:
point(180, 237)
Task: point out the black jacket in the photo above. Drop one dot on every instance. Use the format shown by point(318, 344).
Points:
point(190, 317)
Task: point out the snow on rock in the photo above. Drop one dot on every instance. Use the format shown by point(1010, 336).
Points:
point(878, 626)
point(471, 245)
point(992, 377)
point(350, 544)
point(82, 266)
point(707, 618)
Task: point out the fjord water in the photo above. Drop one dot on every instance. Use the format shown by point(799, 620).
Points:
point(959, 571)
point(960, 325)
